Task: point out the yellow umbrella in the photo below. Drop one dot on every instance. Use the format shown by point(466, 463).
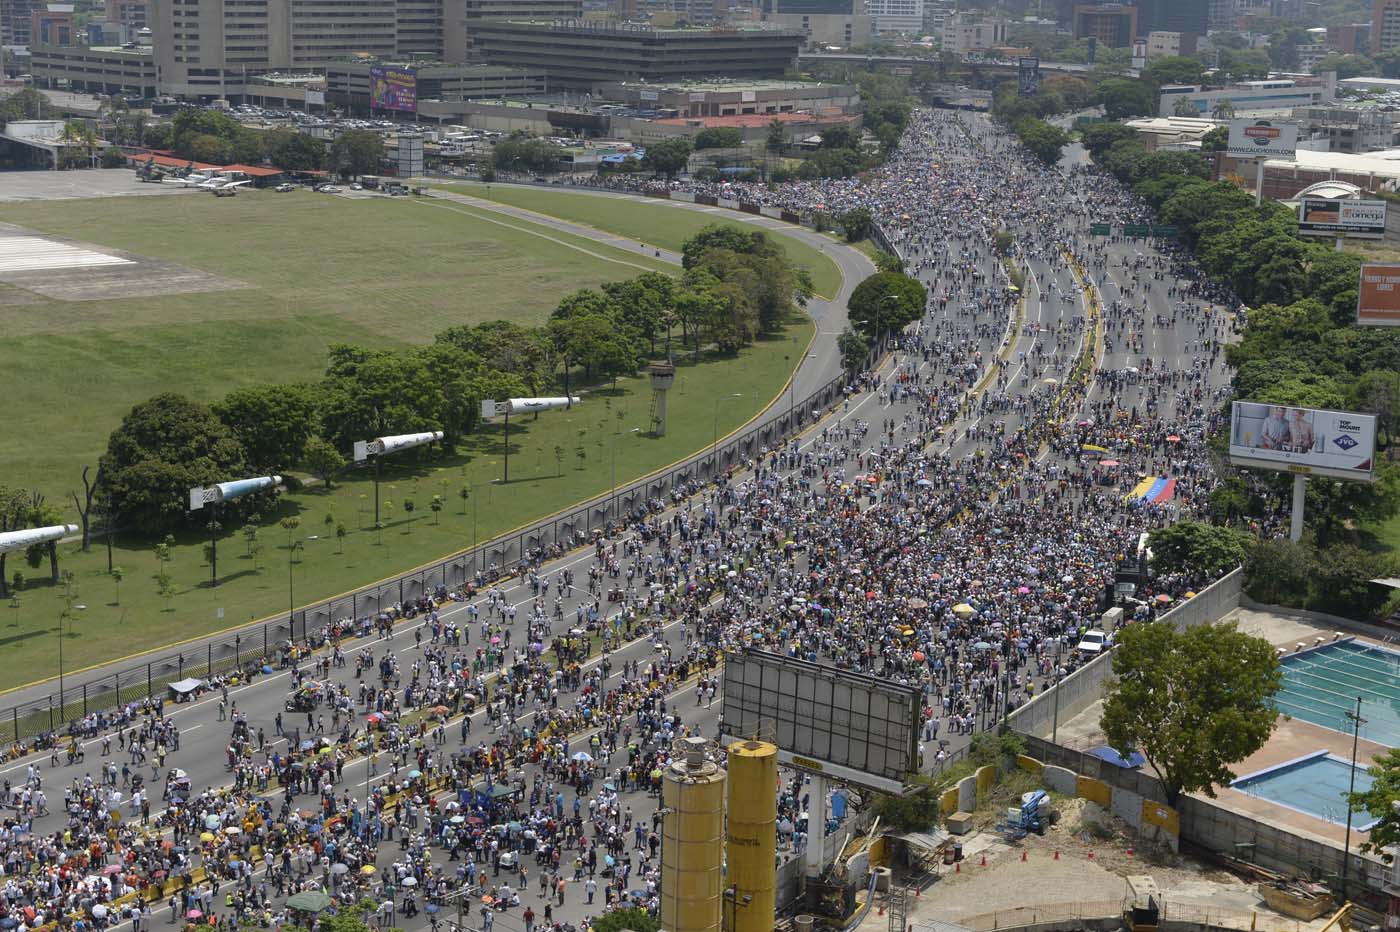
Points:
point(962, 608)
point(367, 869)
point(206, 836)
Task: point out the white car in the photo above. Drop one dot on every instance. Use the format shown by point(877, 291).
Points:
point(1093, 642)
point(357, 187)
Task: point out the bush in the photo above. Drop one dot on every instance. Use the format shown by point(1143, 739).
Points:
point(1277, 572)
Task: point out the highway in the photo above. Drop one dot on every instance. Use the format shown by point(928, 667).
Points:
point(969, 387)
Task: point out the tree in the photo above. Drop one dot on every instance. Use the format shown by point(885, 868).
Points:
point(1223, 109)
point(341, 532)
point(273, 422)
point(1127, 97)
point(370, 393)
point(1203, 550)
point(165, 588)
point(855, 349)
point(322, 460)
point(885, 302)
point(356, 152)
point(719, 137)
point(164, 447)
point(558, 467)
point(118, 574)
point(1184, 107)
point(1175, 69)
point(292, 151)
point(1346, 66)
point(1098, 138)
point(1043, 140)
point(436, 506)
point(858, 223)
point(84, 505)
point(522, 154)
point(621, 920)
point(668, 157)
point(1216, 140)
point(1193, 702)
point(1380, 800)
point(776, 139)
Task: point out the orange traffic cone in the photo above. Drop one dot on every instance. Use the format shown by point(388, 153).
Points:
point(882, 910)
point(984, 860)
point(1057, 854)
point(1091, 855)
point(1023, 854)
point(1130, 849)
point(957, 867)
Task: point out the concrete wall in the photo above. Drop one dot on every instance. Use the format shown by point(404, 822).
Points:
point(1085, 686)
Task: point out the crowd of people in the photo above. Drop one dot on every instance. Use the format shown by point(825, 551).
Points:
point(956, 525)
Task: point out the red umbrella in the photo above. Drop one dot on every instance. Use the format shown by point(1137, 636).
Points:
point(1173, 438)
point(918, 655)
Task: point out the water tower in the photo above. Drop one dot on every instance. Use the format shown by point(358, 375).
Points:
point(663, 376)
point(692, 839)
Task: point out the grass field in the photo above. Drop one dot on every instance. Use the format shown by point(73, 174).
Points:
point(646, 221)
point(318, 270)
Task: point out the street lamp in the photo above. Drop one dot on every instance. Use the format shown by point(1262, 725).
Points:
point(792, 388)
point(612, 498)
point(293, 548)
point(714, 444)
point(887, 299)
point(63, 615)
point(1356, 722)
point(735, 901)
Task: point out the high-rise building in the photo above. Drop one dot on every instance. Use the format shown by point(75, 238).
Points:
point(896, 15)
point(825, 22)
point(1111, 24)
point(1191, 18)
point(207, 49)
point(968, 32)
point(129, 13)
point(16, 19)
point(1385, 25)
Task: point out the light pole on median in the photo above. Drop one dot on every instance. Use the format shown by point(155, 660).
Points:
point(714, 443)
point(612, 497)
point(792, 387)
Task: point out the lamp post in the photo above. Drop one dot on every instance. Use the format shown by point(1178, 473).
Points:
point(1356, 722)
point(735, 901)
point(792, 388)
point(714, 443)
point(612, 497)
point(887, 299)
point(293, 548)
point(64, 615)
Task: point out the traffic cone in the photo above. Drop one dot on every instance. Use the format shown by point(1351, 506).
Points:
point(984, 860)
point(1057, 854)
point(918, 893)
point(882, 910)
point(1023, 854)
point(1091, 855)
point(957, 867)
point(1130, 849)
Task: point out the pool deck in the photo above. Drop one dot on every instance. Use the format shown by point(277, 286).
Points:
point(1292, 738)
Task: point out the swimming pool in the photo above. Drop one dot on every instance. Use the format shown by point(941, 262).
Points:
point(1315, 784)
point(1321, 686)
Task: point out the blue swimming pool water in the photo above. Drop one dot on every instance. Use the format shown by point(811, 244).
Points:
point(1316, 784)
point(1321, 686)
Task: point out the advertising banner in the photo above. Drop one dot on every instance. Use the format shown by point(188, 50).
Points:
point(393, 88)
point(1378, 297)
point(1027, 76)
point(1323, 216)
point(1262, 139)
point(1340, 444)
point(316, 98)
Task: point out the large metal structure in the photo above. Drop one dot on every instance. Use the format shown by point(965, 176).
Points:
point(751, 837)
point(217, 494)
point(11, 541)
point(692, 838)
point(490, 409)
point(381, 447)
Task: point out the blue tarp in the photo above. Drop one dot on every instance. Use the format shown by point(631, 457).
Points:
point(1106, 753)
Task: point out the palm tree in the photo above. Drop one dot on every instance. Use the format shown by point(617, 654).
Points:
point(1224, 109)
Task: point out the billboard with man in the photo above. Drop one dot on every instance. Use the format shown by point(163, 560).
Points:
point(1340, 444)
point(1262, 139)
point(393, 88)
point(1325, 216)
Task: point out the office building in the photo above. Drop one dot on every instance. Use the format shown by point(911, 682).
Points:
point(129, 13)
point(896, 16)
point(1385, 25)
point(825, 23)
point(476, 11)
point(1250, 96)
point(1188, 17)
point(207, 49)
point(1347, 129)
point(53, 25)
point(968, 32)
point(582, 55)
point(1112, 25)
point(1349, 39)
point(16, 17)
point(735, 98)
point(1162, 44)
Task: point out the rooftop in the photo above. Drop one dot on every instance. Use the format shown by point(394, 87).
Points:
point(727, 86)
point(751, 120)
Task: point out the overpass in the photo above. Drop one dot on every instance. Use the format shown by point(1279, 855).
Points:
point(996, 69)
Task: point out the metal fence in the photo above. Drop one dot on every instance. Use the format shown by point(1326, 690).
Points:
point(253, 646)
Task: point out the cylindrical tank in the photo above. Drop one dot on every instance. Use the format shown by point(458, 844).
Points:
point(692, 840)
point(752, 835)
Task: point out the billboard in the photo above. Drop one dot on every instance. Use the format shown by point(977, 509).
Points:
point(1027, 76)
point(844, 725)
point(393, 88)
point(1324, 216)
point(315, 98)
point(1262, 139)
point(1378, 297)
point(1340, 444)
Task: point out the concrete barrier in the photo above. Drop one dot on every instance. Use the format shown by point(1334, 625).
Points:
point(1060, 779)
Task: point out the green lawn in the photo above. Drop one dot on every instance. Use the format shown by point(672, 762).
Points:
point(318, 270)
point(646, 220)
